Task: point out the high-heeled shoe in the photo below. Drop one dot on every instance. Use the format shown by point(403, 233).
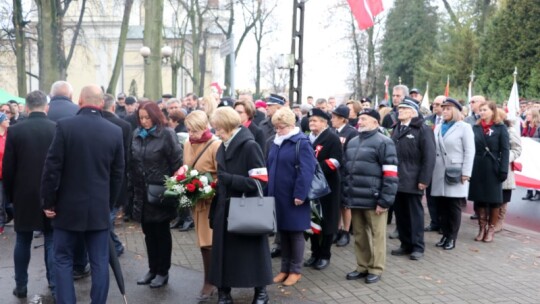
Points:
point(159, 281)
point(146, 279)
point(204, 296)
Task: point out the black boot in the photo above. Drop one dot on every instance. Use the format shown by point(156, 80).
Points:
point(344, 239)
point(260, 296)
point(224, 296)
point(528, 196)
point(536, 196)
point(177, 222)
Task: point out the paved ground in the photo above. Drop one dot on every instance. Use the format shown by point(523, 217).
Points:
point(505, 271)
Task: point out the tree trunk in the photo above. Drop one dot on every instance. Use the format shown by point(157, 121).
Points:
point(228, 60)
point(111, 88)
point(19, 48)
point(358, 61)
point(174, 75)
point(258, 70)
point(49, 58)
point(196, 23)
point(153, 27)
point(370, 74)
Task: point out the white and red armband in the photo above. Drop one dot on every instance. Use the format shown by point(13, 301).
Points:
point(389, 170)
point(259, 173)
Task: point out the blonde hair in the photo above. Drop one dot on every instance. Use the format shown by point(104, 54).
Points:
point(225, 118)
point(535, 116)
point(210, 105)
point(383, 112)
point(456, 114)
point(284, 116)
point(197, 121)
point(356, 106)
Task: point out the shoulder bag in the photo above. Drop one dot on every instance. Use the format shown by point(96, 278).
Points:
point(319, 185)
point(252, 215)
point(452, 175)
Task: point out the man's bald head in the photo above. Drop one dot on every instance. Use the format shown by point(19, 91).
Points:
point(476, 101)
point(91, 95)
point(437, 104)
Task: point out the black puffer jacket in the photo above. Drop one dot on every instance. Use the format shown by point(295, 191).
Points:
point(152, 158)
point(415, 148)
point(365, 183)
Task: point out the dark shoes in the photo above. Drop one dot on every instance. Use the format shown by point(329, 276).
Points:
point(372, 278)
point(79, 274)
point(175, 223)
point(20, 292)
point(146, 279)
point(159, 281)
point(442, 242)
point(275, 252)
point(416, 255)
point(187, 226)
point(321, 264)
point(400, 251)
point(431, 228)
point(536, 197)
point(310, 262)
point(355, 275)
point(446, 243)
point(343, 238)
point(260, 296)
point(528, 196)
point(224, 296)
point(474, 216)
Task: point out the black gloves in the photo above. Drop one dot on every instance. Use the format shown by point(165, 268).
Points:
point(503, 176)
point(225, 178)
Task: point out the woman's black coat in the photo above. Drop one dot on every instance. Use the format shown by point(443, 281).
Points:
point(238, 260)
point(489, 171)
point(327, 145)
point(152, 158)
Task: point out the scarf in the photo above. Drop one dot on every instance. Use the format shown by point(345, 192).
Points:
point(206, 136)
point(486, 126)
point(247, 124)
point(446, 126)
point(143, 133)
point(278, 140)
point(528, 131)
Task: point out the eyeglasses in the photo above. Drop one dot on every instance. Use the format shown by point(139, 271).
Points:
point(6, 111)
point(278, 128)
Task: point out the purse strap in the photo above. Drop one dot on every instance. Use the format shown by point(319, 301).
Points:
point(201, 153)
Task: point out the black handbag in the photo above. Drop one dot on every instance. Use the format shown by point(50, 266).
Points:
point(155, 196)
point(452, 175)
point(252, 215)
point(319, 184)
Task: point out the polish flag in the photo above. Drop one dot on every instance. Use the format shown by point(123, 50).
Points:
point(529, 177)
point(364, 11)
point(259, 173)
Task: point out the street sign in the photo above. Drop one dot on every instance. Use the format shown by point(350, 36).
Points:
point(227, 47)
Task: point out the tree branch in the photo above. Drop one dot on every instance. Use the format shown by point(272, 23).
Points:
point(75, 34)
point(453, 16)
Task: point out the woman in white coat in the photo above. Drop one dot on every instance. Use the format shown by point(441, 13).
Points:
point(455, 150)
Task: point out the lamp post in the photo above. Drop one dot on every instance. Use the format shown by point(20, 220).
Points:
point(145, 52)
point(295, 78)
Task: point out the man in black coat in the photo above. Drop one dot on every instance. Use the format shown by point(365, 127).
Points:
point(82, 177)
point(415, 146)
point(27, 144)
point(274, 102)
point(109, 114)
point(399, 92)
point(61, 105)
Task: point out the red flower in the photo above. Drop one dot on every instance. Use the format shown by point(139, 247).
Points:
point(197, 183)
point(190, 188)
point(213, 185)
point(180, 177)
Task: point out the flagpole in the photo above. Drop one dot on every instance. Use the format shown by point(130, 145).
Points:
point(470, 93)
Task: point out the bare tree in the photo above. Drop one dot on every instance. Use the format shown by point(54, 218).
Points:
point(111, 88)
point(152, 38)
point(261, 29)
point(277, 78)
point(18, 26)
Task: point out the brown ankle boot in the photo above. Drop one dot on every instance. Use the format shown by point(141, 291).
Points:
point(482, 222)
point(493, 219)
point(502, 214)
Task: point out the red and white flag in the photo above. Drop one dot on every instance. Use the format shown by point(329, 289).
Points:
point(447, 88)
point(386, 94)
point(364, 11)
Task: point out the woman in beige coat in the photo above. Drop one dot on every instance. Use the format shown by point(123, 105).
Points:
point(200, 152)
point(510, 183)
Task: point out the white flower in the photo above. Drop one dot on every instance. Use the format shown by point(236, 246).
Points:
point(207, 189)
point(178, 189)
point(204, 180)
point(193, 173)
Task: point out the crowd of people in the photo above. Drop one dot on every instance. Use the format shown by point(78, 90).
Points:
point(67, 170)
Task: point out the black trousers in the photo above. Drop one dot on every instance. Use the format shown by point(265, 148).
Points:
point(157, 237)
point(450, 215)
point(320, 245)
point(433, 209)
point(410, 221)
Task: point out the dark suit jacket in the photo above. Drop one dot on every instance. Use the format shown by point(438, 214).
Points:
point(258, 117)
point(258, 135)
point(127, 134)
point(132, 120)
point(27, 144)
point(61, 107)
point(83, 171)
